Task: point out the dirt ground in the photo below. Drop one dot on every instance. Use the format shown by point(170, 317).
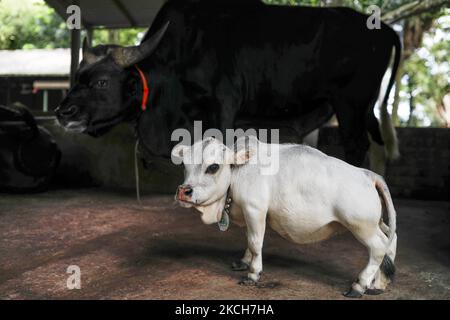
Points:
point(160, 251)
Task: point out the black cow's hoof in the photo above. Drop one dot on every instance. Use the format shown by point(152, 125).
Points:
point(374, 292)
point(239, 266)
point(352, 293)
point(245, 281)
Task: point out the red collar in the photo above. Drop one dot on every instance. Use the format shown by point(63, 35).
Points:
point(144, 88)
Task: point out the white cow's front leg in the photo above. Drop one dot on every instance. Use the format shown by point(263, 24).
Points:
point(256, 227)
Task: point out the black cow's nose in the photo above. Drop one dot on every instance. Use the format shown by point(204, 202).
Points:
point(67, 112)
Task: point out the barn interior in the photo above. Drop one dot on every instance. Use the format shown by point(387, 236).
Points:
point(87, 213)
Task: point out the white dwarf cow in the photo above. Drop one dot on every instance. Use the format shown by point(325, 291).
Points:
point(303, 194)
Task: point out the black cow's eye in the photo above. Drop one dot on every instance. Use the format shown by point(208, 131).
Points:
point(101, 84)
point(212, 168)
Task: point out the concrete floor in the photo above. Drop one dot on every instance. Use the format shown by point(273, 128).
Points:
point(160, 251)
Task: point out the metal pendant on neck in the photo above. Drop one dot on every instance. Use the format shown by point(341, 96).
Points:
point(224, 222)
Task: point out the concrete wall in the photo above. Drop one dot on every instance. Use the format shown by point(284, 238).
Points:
point(422, 172)
point(109, 161)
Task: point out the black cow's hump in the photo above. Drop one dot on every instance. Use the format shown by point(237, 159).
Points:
point(200, 9)
point(214, 5)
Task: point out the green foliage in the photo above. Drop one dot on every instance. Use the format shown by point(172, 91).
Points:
point(29, 24)
point(427, 76)
point(124, 37)
point(360, 5)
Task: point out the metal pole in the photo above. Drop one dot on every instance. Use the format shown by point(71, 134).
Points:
point(75, 44)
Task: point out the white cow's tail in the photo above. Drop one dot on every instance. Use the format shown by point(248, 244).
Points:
point(383, 190)
point(387, 266)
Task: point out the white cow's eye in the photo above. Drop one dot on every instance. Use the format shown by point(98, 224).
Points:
point(212, 168)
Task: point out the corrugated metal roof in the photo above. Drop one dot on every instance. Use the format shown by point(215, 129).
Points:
point(111, 13)
point(37, 62)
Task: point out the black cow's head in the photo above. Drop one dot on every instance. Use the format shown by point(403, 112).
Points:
point(100, 97)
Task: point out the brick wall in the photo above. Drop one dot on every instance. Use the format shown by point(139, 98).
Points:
point(422, 172)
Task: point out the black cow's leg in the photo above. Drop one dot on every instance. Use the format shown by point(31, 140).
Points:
point(313, 120)
point(373, 126)
point(377, 154)
point(355, 150)
point(353, 131)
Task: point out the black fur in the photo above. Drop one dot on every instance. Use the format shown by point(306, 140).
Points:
point(242, 64)
point(387, 267)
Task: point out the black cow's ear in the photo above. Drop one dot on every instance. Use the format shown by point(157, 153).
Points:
point(129, 56)
point(88, 56)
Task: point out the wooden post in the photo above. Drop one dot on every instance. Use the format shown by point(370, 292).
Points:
point(75, 45)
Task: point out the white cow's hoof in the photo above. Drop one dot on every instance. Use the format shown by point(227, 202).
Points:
point(246, 281)
point(239, 266)
point(374, 292)
point(352, 293)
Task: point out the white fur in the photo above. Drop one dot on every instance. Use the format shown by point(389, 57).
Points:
point(311, 197)
point(76, 126)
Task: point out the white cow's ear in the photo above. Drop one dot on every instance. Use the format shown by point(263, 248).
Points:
point(245, 149)
point(179, 151)
point(243, 155)
point(228, 155)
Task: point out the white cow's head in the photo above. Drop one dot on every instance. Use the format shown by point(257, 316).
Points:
point(207, 175)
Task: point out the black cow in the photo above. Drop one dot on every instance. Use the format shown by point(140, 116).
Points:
point(29, 156)
point(225, 61)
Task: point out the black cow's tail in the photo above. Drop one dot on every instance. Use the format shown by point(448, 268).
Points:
point(387, 127)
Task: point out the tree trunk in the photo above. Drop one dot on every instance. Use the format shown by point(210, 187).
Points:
point(413, 8)
point(412, 105)
point(113, 36)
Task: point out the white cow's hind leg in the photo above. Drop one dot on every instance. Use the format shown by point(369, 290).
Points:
point(375, 241)
point(381, 279)
point(392, 250)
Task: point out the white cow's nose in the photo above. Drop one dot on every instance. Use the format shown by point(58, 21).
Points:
point(184, 191)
